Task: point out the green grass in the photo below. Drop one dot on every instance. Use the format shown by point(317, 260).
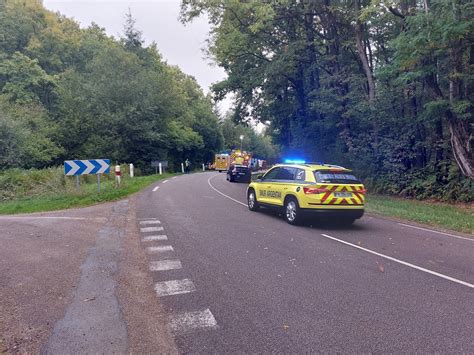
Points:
point(71, 197)
point(452, 217)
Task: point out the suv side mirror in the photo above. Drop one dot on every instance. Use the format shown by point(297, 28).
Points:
point(259, 177)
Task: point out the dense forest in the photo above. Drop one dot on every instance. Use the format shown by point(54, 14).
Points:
point(385, 87)
point(72, 93)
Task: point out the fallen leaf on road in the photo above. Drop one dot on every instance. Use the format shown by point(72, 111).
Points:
point(89, 299)
point(285, 326)
point(359, 242)
point(381, 268)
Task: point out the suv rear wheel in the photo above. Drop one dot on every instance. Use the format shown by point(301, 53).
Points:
point(292, 211)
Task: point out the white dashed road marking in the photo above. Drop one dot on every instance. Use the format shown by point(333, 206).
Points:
point(163, 265)
point(156, 188)
point(174, 287)
point(449, 278)
point(433, 231)
point(189, 321)
point(152, 238)
point(151, 229)
point(164, 182)
point(155, 221)
point(160, 249)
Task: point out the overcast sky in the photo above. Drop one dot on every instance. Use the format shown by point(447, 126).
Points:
point(158, 19)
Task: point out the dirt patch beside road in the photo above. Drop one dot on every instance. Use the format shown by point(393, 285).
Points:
point(40, 261)
point(141, 310)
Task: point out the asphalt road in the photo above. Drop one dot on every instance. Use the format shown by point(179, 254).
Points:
point(184, 266)
point(232, 280)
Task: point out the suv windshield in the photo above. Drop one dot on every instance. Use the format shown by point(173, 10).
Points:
point(343, 177)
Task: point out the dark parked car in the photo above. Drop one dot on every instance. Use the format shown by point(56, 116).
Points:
point(239, 173)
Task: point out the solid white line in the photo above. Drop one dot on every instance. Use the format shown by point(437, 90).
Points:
point(189, 321)
point(163, 265)
point(433, 231)
point(142, 219)
point(449, 278)
point(164, 182)
point(46, 217)
point(152, 238)
point(174, 177)
point(153, 221)
point(151, 229)
point(174, 287)
point(156, 188)
point(223, 194)
point(159, 249)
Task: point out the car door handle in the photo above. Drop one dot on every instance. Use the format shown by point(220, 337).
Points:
point(285, 188)
point(269, 186)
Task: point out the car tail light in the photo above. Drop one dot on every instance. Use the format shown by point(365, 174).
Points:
point(314, 190)
point(363, 191)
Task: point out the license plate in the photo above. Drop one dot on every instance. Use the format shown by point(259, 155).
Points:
point(343, 194)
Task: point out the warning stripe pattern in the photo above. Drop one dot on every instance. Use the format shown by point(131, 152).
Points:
point(356, 199)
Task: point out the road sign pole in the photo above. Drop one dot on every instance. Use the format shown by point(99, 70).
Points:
point(98, 182)
point(77, 182)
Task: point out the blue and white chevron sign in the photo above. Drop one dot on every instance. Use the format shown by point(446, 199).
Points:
point(84, 167)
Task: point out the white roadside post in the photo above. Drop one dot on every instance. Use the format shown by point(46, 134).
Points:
point(182, 168)
point(203, 167)
point(132, 172)
point(160, 167)
point(117, 175)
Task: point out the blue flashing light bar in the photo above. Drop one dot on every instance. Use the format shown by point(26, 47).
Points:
point(295, 161)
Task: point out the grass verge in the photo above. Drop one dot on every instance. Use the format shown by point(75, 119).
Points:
point(86, 196)
point(452, 217)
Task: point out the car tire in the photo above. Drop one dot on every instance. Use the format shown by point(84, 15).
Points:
point(252, 200)
point(292, 211)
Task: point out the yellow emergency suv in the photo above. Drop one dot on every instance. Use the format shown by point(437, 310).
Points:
point(302, 189)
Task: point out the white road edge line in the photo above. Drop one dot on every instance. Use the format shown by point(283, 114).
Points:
point(433, 231)
point(174, 287)
point(156, 188)
point(153, 238)
point(368, 250)
point(189, 321)
point(174, 177)
point(449, 278)
point(164, 265)
point(223, 194)
point(164, 182)
point(51, 217)
point(151, 229)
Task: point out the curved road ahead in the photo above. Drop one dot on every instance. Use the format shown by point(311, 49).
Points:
point(232, 280)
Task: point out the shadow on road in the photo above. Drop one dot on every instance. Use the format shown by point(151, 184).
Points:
point(332, 223)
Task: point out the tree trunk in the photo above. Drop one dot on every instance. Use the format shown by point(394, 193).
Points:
point(461, 142)
point(363, 55)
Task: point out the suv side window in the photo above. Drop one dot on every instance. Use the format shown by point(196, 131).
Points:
point(286, 173)
point(300, 175)
point(272, 174)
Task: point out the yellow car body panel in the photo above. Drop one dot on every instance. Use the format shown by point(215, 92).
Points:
point(334, 196)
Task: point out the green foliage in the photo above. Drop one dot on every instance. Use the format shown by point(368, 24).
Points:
point(26, 191)
point(384, 87)
point(72, 93)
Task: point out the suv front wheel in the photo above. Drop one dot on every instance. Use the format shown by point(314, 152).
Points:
point(252, 200)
